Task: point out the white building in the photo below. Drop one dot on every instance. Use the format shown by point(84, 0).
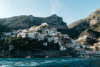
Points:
point(88, 51)
point(54, 34)
point(30, 35)
point(13, 36)
point(7, 34)
point(54, 29)
point(77, 47)
point(65, 36)
point(62, 48)
point(73, 41)
point(85, 37)
point(15, 32)
point(24, 31)
point(21, 35)
point(36, 35)
point(70, 45)
point(59, 34)
point(81, 51)
point(55, 39)
point(98, 43)
point(32, 28)
point(50, 34)
point(51, 31)
point(60, 42)
point(44, 24)
point(45, 44)
point(37, 28)
point(41, 37)
point(45, 31)
point(84, 46)
point(19, 30)
point(2, 38)
point(11, 47)
point(50, 39)
point(98, 39)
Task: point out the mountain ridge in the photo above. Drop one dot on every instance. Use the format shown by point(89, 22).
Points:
point(25, 21)
point(79, 26)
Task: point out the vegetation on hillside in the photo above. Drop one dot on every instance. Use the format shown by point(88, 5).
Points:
point(27, 44)
point(6, 23)
point(80, 27)
point(95, 29)
point(23, 22)
point(9, 21)
point(88, 41)
point(95, 15)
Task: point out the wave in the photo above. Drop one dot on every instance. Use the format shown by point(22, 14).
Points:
point(10, 62)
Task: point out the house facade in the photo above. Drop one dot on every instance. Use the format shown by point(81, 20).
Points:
point(7, 34)
point(55, 39)
point(50, 39)
point(23, 35)
point(45, 44)
point(65, 36)
point(62, 48)
point(30, 35)
point(24, 31)
point(11, 47)
point(41, 37)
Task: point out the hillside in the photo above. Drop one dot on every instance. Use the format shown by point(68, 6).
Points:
point(95, 29)
point(22, 22)
point(40, 41)
point(2, 27)
point(37, 41)
point(81, 25)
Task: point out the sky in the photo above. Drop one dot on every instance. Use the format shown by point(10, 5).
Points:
point(69, 10)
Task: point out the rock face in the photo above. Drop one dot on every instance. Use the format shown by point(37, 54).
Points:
point(79, 26)
point(1, 27)
point(22, 22)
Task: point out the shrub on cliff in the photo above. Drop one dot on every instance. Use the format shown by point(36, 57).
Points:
point(28, 44)
point(90, 41)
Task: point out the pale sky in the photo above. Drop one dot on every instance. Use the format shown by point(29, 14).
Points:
point(70, 10)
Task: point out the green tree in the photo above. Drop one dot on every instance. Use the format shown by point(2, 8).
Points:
point(96, 48)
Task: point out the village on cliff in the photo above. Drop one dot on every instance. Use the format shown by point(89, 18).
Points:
point(45, 32)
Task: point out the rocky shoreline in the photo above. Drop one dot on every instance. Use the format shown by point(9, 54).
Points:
point(33, 54)
point(42, 54)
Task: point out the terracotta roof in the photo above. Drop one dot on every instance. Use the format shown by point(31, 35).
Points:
point(80, 49)
point(69, 45)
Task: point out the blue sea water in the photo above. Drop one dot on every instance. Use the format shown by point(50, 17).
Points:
point(50, 62)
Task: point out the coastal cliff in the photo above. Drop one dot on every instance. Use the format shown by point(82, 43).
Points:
point(36, 41)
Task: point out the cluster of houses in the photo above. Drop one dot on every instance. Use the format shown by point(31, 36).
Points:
point(45, 32)
point(5, 35)
point(93, 50)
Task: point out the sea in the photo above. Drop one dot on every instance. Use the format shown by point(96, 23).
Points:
point(50, 62)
